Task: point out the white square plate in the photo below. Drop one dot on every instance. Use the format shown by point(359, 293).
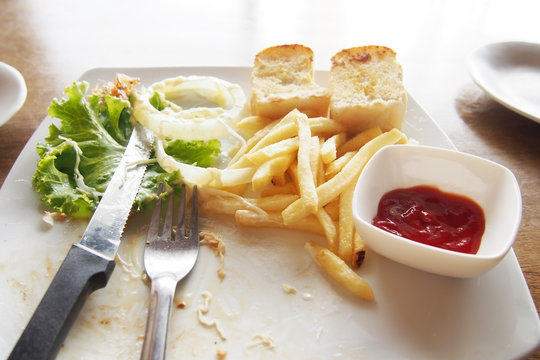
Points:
point(416, 315)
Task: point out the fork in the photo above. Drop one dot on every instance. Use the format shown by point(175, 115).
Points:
point(166, 262)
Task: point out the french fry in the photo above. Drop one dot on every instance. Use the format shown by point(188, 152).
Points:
point(405, 140)
point(324, 126)
point(281, 130)
point(359, 250)
point(340, 271)
point(215, 206)
point(253, 123)
point(269, 152)
point(276, 202)
point(306, 183)
point(315, 158)
point(335, 166)
point(321, 177)
point(329, 148)
point(233, 177)
point(236, 161)
point(330, 230)
point(346, 225)
point(277, 134)
point(332, 209)
point(287, 188)
point(274, 220)
point(273, 167)
point(292, 171)
point(228, 204)
point(279, 180)
point(286, 128)
point(335, 186)
point(263, 175)
point(236, 189)
point(359, 140)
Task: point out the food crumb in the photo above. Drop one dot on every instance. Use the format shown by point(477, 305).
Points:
point(217, 245)
point(122, 87)
point(221, 354)
point(288, 289)
point(203, 310)
point(262, 339)
point(51, 217)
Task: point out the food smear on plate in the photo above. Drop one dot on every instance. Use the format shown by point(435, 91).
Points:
point(430, 216)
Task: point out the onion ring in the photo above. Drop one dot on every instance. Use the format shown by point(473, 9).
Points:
point(195, 175)
point(195, 123)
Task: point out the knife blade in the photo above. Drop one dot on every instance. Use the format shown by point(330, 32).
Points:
point(89, 263)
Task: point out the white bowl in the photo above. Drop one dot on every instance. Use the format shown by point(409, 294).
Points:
point(12, 92)
point(490, 185)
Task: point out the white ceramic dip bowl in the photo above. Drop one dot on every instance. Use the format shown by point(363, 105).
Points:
point(12, 92)
point(489, 184)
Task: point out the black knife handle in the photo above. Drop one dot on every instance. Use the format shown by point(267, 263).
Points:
point(81, 273)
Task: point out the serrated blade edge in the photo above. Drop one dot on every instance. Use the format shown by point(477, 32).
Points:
point(103, 233)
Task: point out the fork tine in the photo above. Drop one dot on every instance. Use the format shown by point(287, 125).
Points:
point(180, 225)
point(194, 220)
point(153, 229)
point(167, 224)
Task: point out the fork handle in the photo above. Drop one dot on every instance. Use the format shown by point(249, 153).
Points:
point(159, 312)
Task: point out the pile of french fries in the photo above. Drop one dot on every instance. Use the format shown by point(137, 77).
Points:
point(306, 171)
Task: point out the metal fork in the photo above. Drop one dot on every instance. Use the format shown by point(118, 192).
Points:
point(167, 261)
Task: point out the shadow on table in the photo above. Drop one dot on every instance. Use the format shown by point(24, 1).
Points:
point(500, 128)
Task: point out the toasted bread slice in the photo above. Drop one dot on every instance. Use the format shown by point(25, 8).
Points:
point(367, 89)
point(282, 80)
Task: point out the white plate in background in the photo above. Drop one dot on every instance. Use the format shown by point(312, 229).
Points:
point(12, 92)
point(415, 315)
point(510, 73)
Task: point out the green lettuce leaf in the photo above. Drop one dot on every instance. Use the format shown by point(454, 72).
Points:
point(56, 187)
point(80, 155)
point(157, 102)
point(196, 152)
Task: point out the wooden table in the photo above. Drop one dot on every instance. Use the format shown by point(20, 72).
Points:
point(53, 42)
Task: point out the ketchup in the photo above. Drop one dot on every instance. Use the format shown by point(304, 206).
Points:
point(429, 216)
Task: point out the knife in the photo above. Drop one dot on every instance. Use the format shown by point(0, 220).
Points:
point(89, 263)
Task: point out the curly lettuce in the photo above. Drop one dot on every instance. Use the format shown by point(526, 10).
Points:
point(81, 153)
